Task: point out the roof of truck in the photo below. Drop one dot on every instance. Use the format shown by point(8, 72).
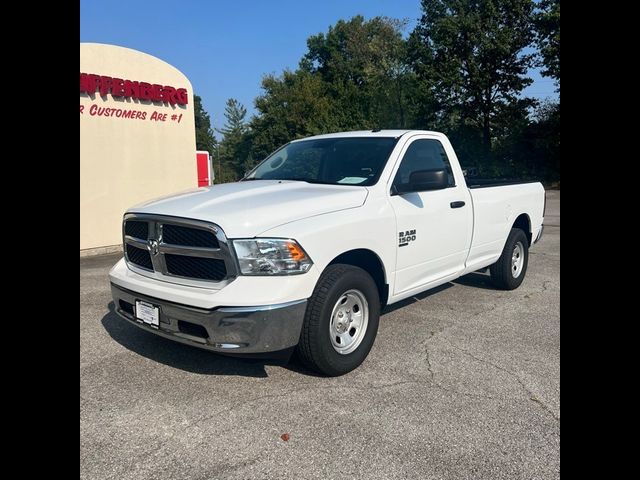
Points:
point(366, 133)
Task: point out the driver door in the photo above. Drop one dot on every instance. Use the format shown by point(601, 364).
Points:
point(434, 226)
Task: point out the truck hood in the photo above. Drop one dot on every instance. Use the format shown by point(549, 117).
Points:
point(246, 209)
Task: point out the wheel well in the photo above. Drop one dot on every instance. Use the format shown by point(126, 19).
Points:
point(524, 224)
point(369, 262)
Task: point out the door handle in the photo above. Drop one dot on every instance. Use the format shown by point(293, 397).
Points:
point(457, 204)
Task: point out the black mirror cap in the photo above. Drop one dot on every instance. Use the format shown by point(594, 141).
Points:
point(424, 180)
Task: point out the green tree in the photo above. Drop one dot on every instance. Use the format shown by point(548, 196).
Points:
point(293, 105)
point(205, 138)
point(468, 55)
point(234, 154)
point(461, 71)
point(548, 38)
point(355, 76)
point(545, 132)
point(234, 114)
point(545, 129)
point(364, 68)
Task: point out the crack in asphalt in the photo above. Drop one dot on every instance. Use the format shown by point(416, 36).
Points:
point(439, 385)
point(377, 387)
point(426, 351)
point(545, 287)
point(532, 397)
point(464, 394)
point(552, 255)
point(230, 468)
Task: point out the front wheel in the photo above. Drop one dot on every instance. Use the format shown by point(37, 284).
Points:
point(341, 321)
point(509, 271)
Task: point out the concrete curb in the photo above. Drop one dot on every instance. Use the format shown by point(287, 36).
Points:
point(91, 252)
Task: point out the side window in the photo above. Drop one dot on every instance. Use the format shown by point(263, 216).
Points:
point(424, 154)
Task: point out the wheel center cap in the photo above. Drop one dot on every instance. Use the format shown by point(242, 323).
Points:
point(342, 323)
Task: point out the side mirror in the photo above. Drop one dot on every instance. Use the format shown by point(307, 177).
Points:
point(424, 180)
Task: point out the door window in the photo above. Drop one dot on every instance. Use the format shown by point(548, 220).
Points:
point(424, 154)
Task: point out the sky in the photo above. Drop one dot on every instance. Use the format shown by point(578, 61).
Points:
point(225, 47)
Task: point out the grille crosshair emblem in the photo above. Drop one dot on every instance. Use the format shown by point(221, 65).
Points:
point(152, 246)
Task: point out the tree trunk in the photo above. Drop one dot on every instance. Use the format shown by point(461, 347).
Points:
point(486, 135)
point(400, 106)
point(486, 126)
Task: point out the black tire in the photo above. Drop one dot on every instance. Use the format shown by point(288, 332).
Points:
point(315, 348)
point(502, 272)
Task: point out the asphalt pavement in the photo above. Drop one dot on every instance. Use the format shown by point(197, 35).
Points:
point(463, 382)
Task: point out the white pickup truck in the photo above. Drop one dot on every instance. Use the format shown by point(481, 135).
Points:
point(304, 252)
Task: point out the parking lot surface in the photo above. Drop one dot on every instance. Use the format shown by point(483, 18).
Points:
point(462, 382)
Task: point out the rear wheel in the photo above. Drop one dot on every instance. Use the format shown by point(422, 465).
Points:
point(341, 321)
point(509, 271)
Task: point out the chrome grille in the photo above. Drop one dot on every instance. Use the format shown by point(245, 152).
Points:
point(140, 257)
point(206, 268)
point(137, 229)
point(190, 252)
point(188, 237)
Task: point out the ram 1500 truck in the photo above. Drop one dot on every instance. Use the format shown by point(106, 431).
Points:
point(305, 250)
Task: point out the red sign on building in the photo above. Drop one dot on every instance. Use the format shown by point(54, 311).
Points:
point(91, 83)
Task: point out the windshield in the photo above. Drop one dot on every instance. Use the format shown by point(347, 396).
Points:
point(335, 161)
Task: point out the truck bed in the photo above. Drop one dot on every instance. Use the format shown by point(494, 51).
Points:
point(494, 212)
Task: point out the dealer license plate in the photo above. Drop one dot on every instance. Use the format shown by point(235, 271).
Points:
point(147, 313)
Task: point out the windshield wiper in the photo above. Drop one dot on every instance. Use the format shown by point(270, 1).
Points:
point(308, 180)
point(292, 179)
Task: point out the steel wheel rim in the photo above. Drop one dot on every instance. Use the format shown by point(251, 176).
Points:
point(517, 260)
point(349, 321)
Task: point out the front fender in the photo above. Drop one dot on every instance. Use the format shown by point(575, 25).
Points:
point(324, 237)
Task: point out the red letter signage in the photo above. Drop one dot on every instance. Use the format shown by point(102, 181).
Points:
point(117, 87)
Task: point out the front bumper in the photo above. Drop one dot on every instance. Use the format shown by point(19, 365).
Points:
point(240, 330)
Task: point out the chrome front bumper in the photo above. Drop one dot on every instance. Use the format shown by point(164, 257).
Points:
point(250, 330)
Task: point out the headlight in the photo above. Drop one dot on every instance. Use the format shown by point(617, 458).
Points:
point(271, 256)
